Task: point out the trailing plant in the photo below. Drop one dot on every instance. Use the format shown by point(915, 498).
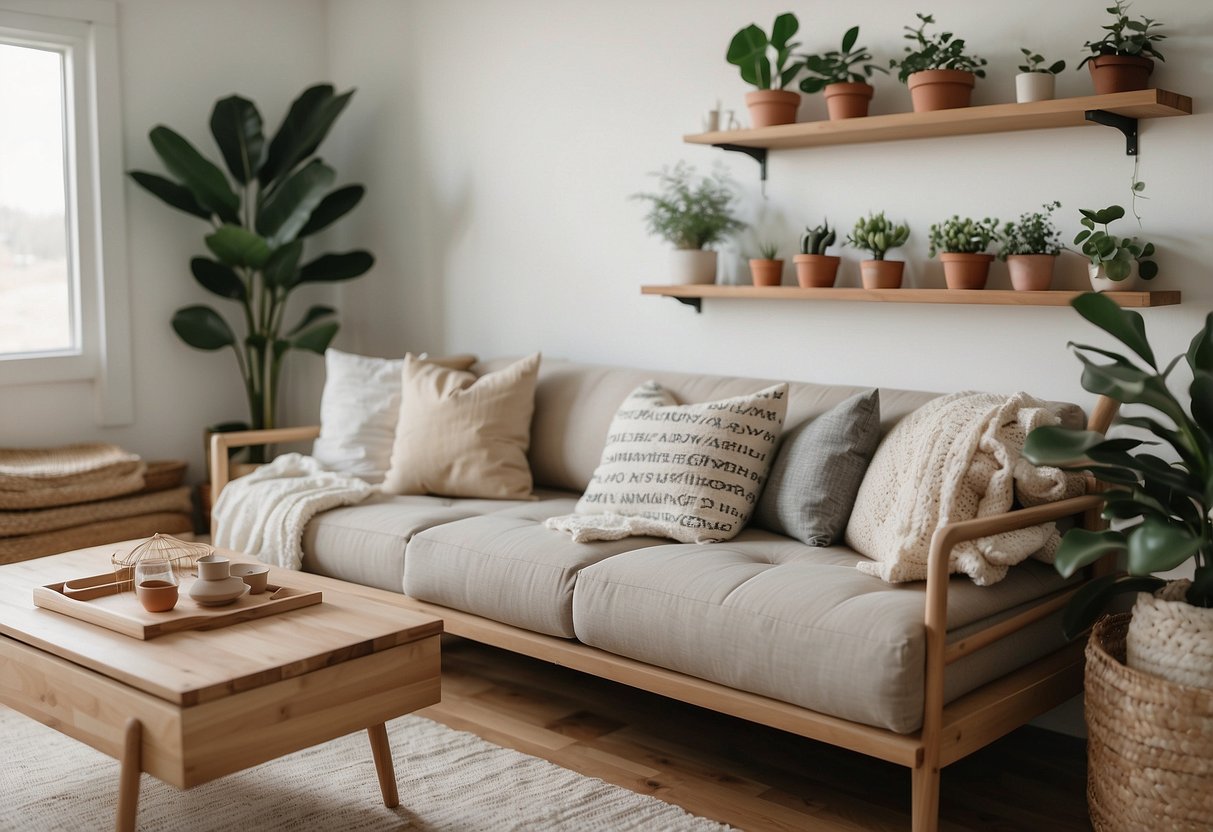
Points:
point(1134, 38)
point(850, 64)
point(942, 51)
point(1032, 233)
point(767, 250)
point(278, 195)
point(751, 50)
point(877, 235)
point(1116, 254)
point(962, 236)
point(1035, 63)
point(691, 211)
point(1168, 502)
point(817, 239)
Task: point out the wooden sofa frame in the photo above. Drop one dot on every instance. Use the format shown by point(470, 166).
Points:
point(949, 732)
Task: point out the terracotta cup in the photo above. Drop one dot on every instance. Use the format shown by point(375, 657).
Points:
point(157, 596)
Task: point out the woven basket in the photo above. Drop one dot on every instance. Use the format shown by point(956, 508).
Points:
point(14, 549)
point(1150, 746)
point(163, 474)
point(1170, 638)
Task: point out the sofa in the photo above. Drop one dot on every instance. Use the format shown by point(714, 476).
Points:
point(762, 626)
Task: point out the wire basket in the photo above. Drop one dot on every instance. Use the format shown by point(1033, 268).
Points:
point(182, 555)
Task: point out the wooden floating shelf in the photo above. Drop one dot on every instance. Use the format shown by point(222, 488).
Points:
point(991, 118)
point(694, 295)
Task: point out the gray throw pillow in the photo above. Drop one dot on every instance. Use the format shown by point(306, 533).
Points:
point(816, 474)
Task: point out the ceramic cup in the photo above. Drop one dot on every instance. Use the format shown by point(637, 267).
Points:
point(213, 567)
point(157, 596)
point(256, 575)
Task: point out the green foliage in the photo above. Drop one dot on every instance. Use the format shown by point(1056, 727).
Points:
point(1124, 36)
point(877, 235)
point(691, 211)
point(1171, 499)
point(277, 195)
point(942, 51)
point(767, 250)
point(1035, 63)
point(962, 236)
point(1033, 233)
point(817, 239)
point(751, 51)
point(1115, 254)
point(850, 64)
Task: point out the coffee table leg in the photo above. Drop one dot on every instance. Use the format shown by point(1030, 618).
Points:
point(381, 750)
point(128, 777)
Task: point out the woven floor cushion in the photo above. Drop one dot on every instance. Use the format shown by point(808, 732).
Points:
point(14, 523)
point(15, 549)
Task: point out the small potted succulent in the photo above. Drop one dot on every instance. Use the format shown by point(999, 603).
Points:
point(1122, 59)
point(936, 69)
point(961, 245)
point(1030, 246)
point(843, 76)
point(751, 50)
point(815, 268)
point(691, 213)
point(1035, 81)
point(876, 234)
point(767, 268)
point(1114, 261)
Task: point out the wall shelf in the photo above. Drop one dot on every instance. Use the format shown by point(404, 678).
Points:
point(693, 295)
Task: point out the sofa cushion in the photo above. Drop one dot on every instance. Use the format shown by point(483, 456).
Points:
point(506, 566)
point(797, 623)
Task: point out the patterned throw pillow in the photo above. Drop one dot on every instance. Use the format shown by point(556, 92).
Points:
point(692, 472)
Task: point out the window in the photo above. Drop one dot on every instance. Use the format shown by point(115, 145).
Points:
point(63, 294)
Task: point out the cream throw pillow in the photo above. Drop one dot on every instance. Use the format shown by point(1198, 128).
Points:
point(460, 435)
point(692, 472)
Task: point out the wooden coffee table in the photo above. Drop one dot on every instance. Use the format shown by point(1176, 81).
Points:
point(192, 706)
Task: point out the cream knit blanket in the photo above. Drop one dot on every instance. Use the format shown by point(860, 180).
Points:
point(956, 458)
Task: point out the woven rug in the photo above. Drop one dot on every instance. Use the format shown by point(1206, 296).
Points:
point(448, 780)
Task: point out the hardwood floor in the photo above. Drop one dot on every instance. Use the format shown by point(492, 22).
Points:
point(749, 776)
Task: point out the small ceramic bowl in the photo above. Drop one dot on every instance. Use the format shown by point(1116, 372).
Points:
point(157, 596)
point(256, 575)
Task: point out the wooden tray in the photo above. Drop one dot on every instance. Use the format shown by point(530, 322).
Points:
point(99, 602)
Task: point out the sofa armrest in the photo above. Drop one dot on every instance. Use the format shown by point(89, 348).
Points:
point(221, 442)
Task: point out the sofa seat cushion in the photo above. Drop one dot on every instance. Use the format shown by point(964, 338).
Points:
point(507, 566)
point(801, 624)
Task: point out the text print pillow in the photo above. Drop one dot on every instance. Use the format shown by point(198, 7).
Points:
point(692, 472)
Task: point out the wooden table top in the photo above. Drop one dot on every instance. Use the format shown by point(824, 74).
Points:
point(196, 666)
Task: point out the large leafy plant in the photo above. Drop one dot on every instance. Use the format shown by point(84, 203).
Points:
point(941, 51)
point(691, 211)
point(1167, 501)
point(1127, 37)
point(751, 50)
point(849, 64)
point(279, 193)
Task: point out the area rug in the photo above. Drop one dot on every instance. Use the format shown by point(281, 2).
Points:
point(448, 780)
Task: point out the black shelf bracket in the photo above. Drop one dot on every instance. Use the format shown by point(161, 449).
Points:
point(758, 154)
point(694, 303)
point(1124, 124)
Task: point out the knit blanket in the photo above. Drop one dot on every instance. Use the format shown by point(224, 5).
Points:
point(264, 513)
point(956, 458)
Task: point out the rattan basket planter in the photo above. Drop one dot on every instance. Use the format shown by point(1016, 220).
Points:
point(1150, 746)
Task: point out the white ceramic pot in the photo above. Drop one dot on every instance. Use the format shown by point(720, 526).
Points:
point(1170, 638)
point(692, 265)
point(1033, 86)
point(1101, 283)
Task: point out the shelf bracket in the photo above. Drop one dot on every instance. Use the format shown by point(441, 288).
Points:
point(1124, 124)
point(758, 154)
point(694, 303)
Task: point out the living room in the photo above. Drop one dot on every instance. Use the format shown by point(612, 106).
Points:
point(499, 209)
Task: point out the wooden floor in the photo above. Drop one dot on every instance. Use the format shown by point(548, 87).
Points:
point(751, 777)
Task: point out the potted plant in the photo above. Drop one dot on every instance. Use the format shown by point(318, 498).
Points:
point(1035, 81)
point(1122, 59)
point(281, 195)
point(691, 213)
point(766, 268)
point(877, 235)
point(751, 50)
point(961, 245)
point(815, 268)
point(1114, 261)
point(843, 75)
point(1030, 246)
point(936, 69)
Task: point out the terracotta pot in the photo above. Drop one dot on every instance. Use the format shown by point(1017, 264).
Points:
point(881, 274)
point(965, 271)
point(1100, 282)
point(1170, 638)
point(771, 107)
point(157, 596)
point(1031, 272)
point(848, 100)
point(1120, 73)
point(692, 265)
point(941, 89)
point(767, 272)
point(816, 271)
point(1034, 86)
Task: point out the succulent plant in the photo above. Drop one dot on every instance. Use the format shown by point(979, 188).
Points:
point(1033, 233)
point(1115, 254)
point(691, 211)
point(962, 236)
point(942, 51)
point(750, 50)
point(767, 250)
point(849, 64)
point(816, 240)
point(1035, 63)
point(1125, 36)
point(876, 234)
